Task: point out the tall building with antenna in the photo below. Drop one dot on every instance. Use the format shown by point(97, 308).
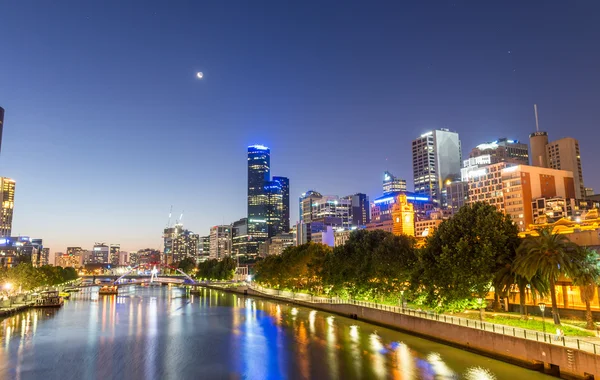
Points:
point(562, 154)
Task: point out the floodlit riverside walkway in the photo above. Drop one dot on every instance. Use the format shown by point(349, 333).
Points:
point(569, 357)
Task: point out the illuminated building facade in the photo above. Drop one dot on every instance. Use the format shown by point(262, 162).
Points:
point(19, 249)
point(268, 201)
point(436, 159)
point(204, 248)
point(564, 154)
point(457, 195)
point(485, 185)
point(381, 208)
point(522, 184)
point(239, 237)
point(65, 261)
point(45, 256)
point(7, 196)
point(391, 184)
point(503, 150)
point(100, 253)
point(306, 201)
point(114, 254)
point(403, 216)
point(284, 185)
point(360, 210)
point(185, 245)
point(220, 242)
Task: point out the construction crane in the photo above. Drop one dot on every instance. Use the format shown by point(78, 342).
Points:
point(169, 221)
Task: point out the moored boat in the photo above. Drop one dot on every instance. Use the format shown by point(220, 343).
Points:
point(64, 295)
point(108, 290)
point(49, 298)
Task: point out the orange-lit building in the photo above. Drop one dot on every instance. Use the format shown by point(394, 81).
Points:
point(522, 184)
point(403, 216)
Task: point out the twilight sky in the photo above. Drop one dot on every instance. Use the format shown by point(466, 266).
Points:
point(106, 125)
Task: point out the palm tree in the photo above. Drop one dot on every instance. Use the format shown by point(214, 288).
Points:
point(586, 278)
point(550, 255)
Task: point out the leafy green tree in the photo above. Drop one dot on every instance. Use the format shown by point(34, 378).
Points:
point(187, 265)
point(586, 278)
point(462, 256)
point(551, 256)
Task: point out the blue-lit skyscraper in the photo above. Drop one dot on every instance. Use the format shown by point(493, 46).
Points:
point(259, 174)
point(284, 183)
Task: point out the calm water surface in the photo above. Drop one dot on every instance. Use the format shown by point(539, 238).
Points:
point(160, 333)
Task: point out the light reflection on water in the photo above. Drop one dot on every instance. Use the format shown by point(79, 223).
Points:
point(165, 333)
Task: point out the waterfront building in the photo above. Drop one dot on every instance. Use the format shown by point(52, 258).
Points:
point(220, 242)
point(100, 253)
point(503, 150)
point(436, 159)
point(7, 197)
point(114, 254)
point(391, 184)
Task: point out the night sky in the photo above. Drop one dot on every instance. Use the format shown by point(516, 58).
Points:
point(106, 125)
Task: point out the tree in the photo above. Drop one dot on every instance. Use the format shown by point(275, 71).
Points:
point(586, 277)
point(461, 257)
point(551, 256)
point(187, 265)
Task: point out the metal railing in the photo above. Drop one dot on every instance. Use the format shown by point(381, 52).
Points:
point(517, 332)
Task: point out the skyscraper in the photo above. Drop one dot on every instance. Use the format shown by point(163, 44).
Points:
point(259, 174)
point(220, 242)
point(7, 197)
point(1, 126)
point(284, 183)
point(361, 211)
point(392, 184)
point(100, 254)
point(563, 154)
point(114, 254)
point(436, 160)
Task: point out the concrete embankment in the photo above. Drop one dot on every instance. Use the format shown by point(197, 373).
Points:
point(568, 363)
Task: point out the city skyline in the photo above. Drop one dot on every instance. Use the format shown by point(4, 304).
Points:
point(91, 164)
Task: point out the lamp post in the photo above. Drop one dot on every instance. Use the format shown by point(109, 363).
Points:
point(542, 308)
point(402, 300)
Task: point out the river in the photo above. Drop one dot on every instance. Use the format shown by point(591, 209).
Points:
point(157, 333)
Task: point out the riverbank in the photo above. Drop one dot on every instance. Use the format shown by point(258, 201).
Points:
point(7, 312)
point(555, 358)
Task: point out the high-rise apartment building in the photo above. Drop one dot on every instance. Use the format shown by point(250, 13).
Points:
point(391, 184)
point(503, 150)
point(436, 160)
point(7, 196)
point(306, 201)
point(186, 245)
point(220, 242)
point(204, 248)
point(45, 256)
point(114, 254)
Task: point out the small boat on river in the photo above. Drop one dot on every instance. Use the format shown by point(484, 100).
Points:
point(49, 298)
point(108, 290)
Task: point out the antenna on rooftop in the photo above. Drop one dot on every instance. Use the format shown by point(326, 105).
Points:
point(537, 125)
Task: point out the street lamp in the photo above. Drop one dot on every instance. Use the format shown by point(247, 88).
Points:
point(7, 286)
point(402, 299)
point(542, 308)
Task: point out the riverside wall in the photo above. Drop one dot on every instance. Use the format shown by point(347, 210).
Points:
point(568, 363)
